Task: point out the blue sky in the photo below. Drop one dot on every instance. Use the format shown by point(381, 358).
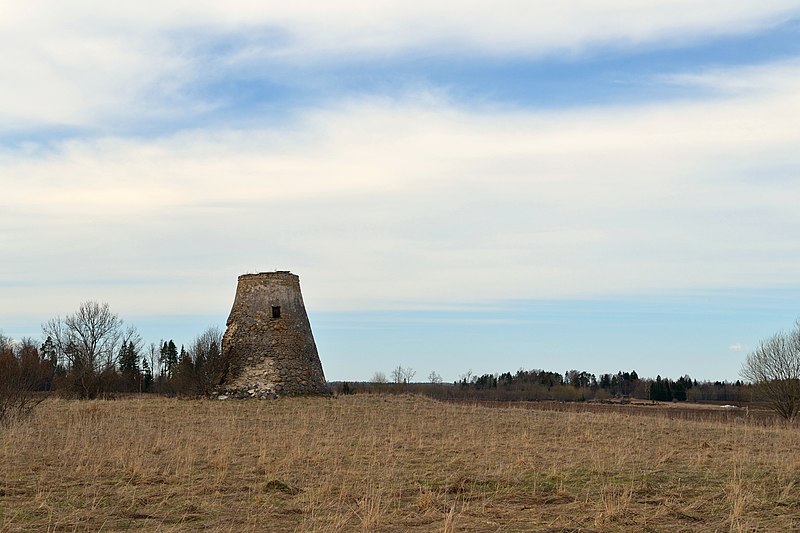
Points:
point(594, 185)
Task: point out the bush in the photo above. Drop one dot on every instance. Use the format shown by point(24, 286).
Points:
point(17, 386)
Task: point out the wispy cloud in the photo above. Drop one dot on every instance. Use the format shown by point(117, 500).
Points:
point(781, 76)
point(93, 65)
point(416, 200)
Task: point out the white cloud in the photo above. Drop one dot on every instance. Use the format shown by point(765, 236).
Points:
point(376, 203)
point(736, 347)
point(91, 63)
point(781, 75)
point(58, 74)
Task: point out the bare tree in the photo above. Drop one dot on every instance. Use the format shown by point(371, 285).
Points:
point(397, 374)
point(403, 375)
point(379, 377)
point(89, 341)
point(435, 378)
point(19, 378)
point(206, 356)
point(153, 359)
point(774, 368)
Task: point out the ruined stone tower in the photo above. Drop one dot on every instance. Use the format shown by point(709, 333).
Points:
point(268, 346)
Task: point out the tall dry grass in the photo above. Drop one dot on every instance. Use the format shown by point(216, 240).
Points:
point(388, 463)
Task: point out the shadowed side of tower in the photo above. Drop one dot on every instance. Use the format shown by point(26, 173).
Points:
point(268, 347)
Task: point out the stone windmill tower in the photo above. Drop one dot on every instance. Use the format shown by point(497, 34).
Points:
point(268, 347)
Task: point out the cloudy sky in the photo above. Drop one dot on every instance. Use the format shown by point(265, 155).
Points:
point(600, 185)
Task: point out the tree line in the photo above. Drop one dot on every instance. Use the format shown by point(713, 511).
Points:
point(92, 353)
point(771, 372)
point(575, 385)
point(572, 385)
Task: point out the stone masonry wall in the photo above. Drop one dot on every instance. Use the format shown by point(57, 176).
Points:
point(270, 356)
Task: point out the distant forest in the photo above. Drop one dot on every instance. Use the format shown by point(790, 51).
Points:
point(571, 386)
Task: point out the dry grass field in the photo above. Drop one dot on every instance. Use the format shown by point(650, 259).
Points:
point(389, 463)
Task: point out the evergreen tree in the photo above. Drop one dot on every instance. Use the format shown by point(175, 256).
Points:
point(147, 375)
point(680, 387)
point(667, 391)
point(486, 381)
point(184, 376)
point(50, 360)
point(129, 365)
point(169, 357)
point(660, 390)
point(48, 351)
point(128, 359)
point(679, 390)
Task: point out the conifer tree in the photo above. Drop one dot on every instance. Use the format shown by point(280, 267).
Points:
point(50, 356)
point(169, 357)
point(129, 365)
point(147, 375)
point(128, 359)
point(184, 377)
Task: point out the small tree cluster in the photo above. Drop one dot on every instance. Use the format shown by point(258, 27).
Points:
point(199, 369)
point(665, 390)
point(169, 357)
point(537, 384)
point(23, 372)
point(619, 384)
point(91, 353)
point(403, 375)
point(89, 343)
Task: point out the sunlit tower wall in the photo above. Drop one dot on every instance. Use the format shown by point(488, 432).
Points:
point(268, 347)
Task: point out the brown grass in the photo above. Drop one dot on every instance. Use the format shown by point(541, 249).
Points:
point(388, 463)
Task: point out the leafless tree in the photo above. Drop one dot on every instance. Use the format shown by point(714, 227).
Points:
point(206, 356)
point(434, 377)
point(774, 368)
point(153, 359)
point(19, 378)
point(397, 374)
point(379, 377)
point(403, 375)
point(88, 342)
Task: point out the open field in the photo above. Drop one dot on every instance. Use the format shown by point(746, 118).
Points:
point(389, 463)
point(697, 412)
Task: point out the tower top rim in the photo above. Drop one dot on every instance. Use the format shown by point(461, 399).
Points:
point(284, 274)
